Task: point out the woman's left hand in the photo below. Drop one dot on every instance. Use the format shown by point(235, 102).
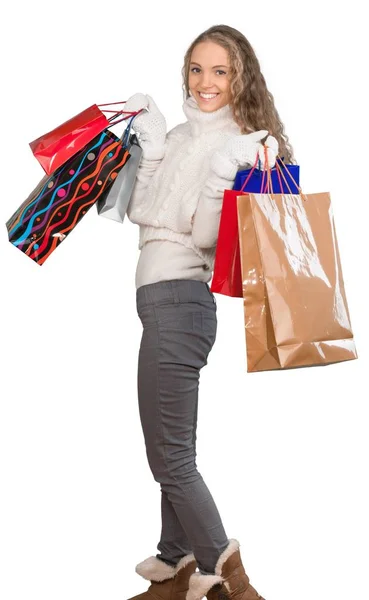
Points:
point(150, 124)
point(272, 150)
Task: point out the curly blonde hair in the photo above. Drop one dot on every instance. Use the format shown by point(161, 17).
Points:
point(251, 102)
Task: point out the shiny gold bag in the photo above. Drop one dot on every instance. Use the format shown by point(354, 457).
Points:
point(295, 306)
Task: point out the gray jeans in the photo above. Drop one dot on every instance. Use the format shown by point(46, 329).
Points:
point(179, 329)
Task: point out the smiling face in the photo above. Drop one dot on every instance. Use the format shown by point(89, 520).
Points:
point(209, 76)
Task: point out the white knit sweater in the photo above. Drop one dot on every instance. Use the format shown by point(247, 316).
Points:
point(177, 200)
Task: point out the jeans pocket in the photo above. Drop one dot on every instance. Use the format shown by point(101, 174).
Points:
point(209, 325)
point(211, 295)
point(147, 315)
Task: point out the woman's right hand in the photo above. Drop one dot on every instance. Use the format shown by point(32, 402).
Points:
point(150, 124)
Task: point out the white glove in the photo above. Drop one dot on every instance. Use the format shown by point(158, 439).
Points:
point(241, 151)
point(150, 124)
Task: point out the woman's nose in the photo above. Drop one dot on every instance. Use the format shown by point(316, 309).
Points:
point(207, 80)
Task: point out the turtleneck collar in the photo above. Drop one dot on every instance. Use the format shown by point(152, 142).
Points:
point(201, 121)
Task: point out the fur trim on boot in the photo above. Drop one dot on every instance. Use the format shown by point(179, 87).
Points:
point(199, 585)
point(154, 569)
point(233, 546)
point(229, 580)
point(166, 582)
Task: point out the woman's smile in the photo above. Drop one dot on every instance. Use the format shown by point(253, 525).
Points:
point(207, 97)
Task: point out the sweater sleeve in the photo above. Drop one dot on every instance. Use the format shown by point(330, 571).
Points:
point(205, 221)
point(145, 172)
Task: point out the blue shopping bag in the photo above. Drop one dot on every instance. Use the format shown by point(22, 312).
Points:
point(255, 181)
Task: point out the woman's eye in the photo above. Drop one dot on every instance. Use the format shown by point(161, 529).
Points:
point(197, 69)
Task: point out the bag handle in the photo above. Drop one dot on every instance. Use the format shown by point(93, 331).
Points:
point(112, 104)
point(127, 131)
point(117, 113)
point(267, 174)
point(262, 181)
point(280, 171)
point(130, 114)
point(125, 135)
point(249, 175)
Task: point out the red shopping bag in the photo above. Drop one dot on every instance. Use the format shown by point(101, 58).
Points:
point(227, 277)
point(54, 148)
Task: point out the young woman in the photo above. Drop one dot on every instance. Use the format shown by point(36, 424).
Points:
point(177, 202)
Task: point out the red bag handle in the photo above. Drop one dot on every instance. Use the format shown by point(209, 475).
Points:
point(267, 173)
point(280, 171)
point(111, 103)
point(263, 178)
point(249, 175)
point(117, 113)
point(128, 113)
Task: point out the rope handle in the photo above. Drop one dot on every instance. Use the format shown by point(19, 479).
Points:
point(279, 171)
point(268, 186)
point(303, 196)
point(249, 175)
point(130, 114)
point(111, 103)
point(268, 174)
point(117, 113)
point(126, 133)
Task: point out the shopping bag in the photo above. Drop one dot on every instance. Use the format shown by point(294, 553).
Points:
point(295, 306)
point(60, 200)
point(227, 267)
point(54, 148)
point(114, 204)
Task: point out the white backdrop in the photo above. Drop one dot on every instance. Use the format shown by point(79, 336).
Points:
point(285, 454)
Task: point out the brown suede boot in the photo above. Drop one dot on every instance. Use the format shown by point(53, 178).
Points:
point(167, 582)
point(229, 582)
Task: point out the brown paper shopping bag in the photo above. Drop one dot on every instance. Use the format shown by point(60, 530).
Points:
point(295, 306)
